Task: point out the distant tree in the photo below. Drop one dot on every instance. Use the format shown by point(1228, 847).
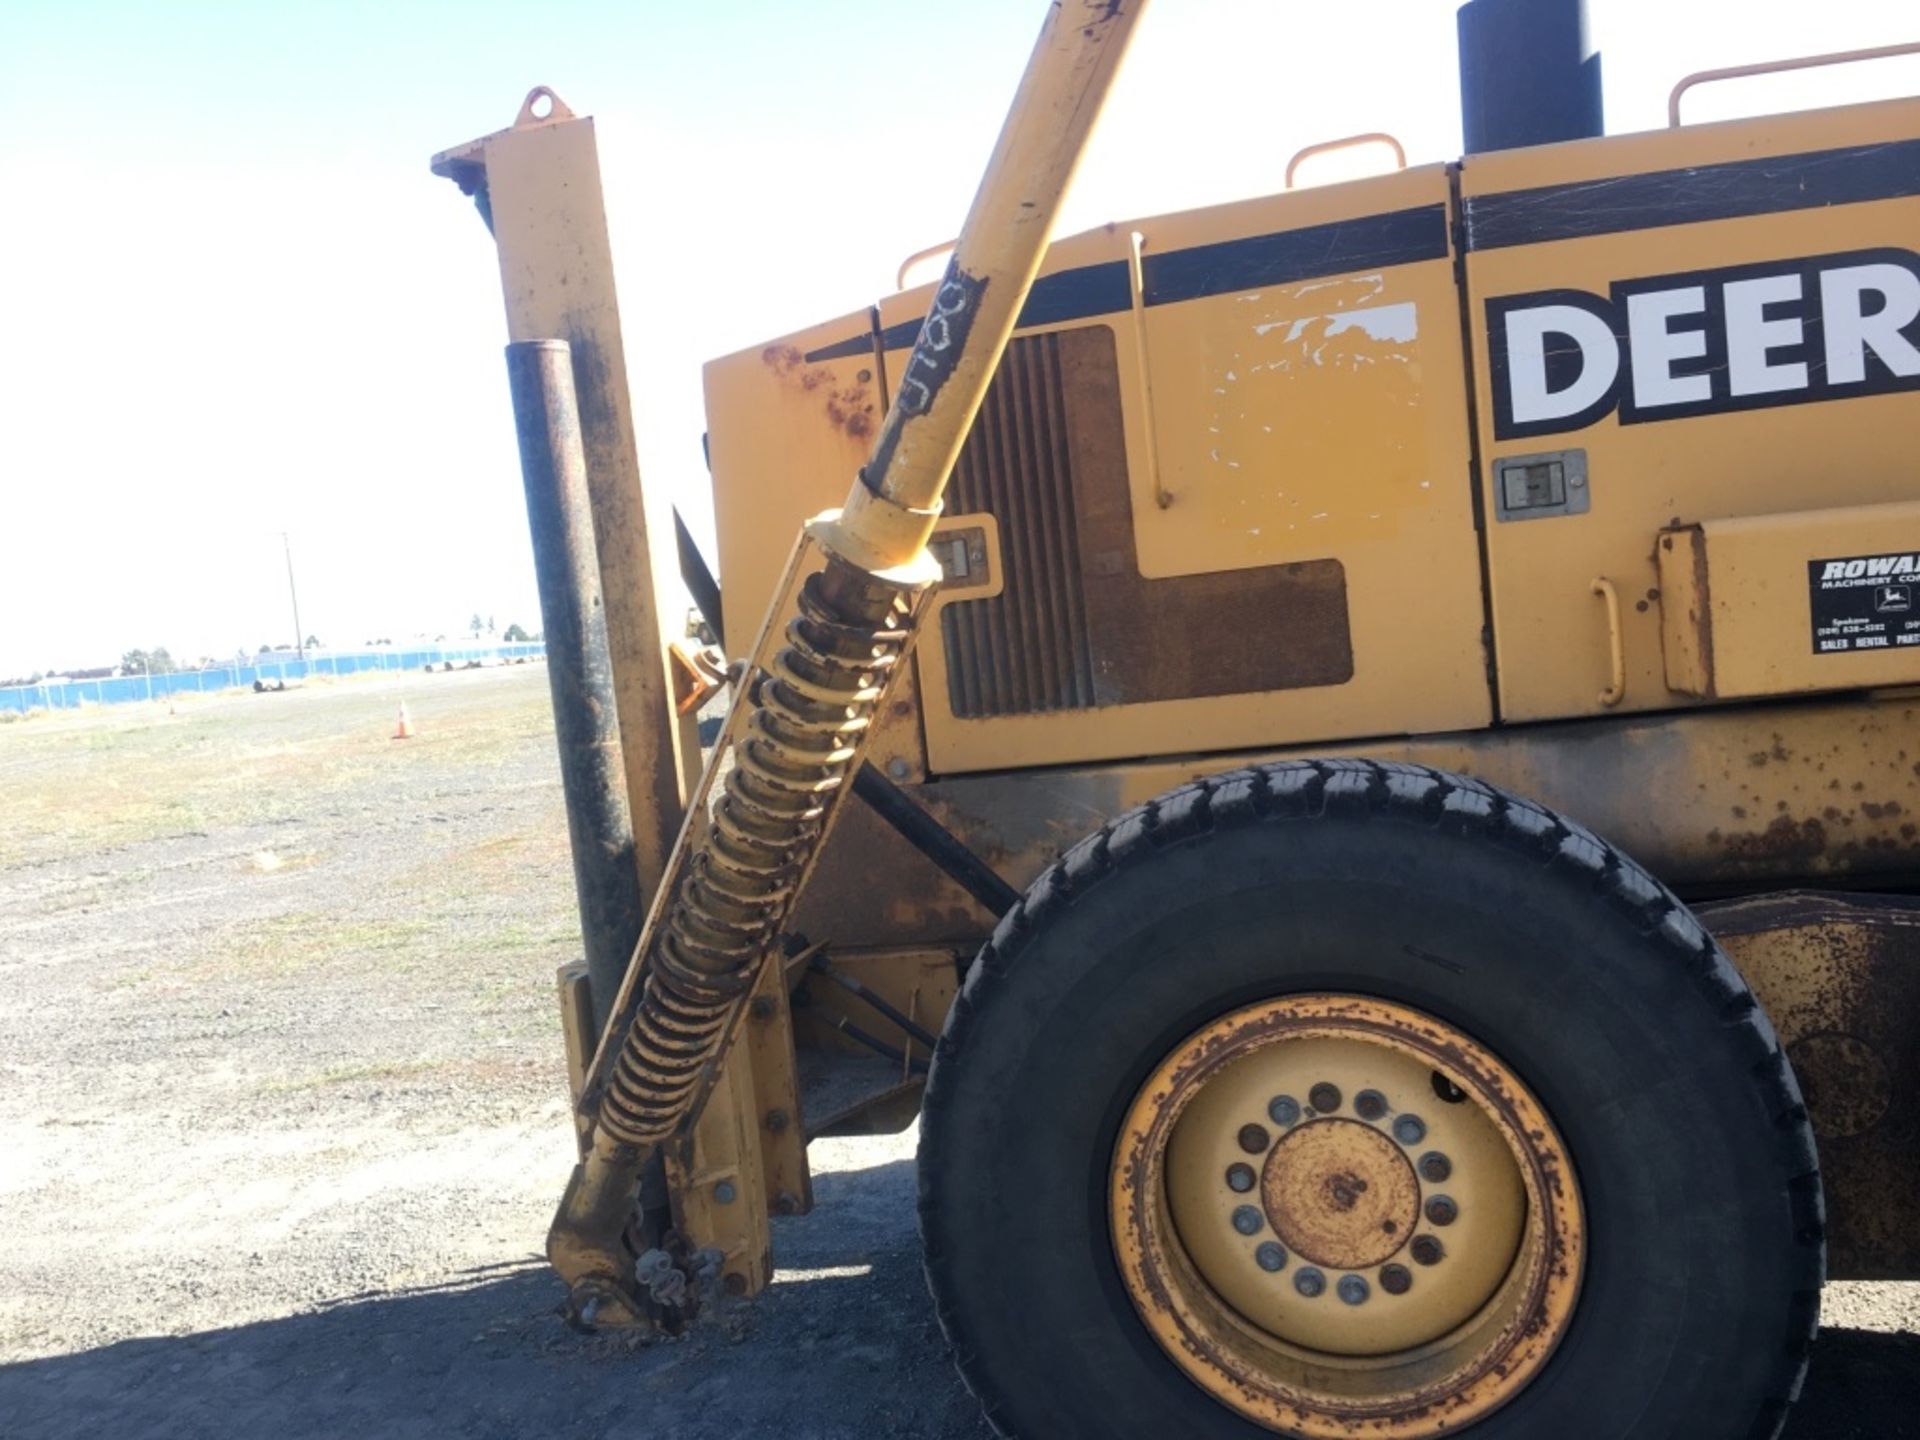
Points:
point(148, 662)
point(266, 650)
point(313, 642)
point(515, 635)
point(476, 624)
point(490, 629)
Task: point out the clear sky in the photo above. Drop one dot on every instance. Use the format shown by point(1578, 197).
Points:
point(233, 302)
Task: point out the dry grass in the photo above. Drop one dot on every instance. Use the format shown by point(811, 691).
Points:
point(81, 782)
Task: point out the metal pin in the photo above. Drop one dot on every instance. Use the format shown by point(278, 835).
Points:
point(1248, 1220)
point(1354, 1289)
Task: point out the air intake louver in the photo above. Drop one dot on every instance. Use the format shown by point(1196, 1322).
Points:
point(1025, 650)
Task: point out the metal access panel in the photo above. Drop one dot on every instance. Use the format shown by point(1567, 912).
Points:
point(1724, 321)
point(1787, 604)
point(1225, 454)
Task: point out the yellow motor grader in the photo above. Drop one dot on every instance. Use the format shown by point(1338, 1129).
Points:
point(1351, 755)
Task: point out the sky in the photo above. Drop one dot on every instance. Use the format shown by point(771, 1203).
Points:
point(234, 304)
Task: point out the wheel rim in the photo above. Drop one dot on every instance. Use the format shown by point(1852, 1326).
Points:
point(1343, 1217)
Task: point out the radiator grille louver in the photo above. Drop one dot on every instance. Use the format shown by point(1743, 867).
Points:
point(1026, 650)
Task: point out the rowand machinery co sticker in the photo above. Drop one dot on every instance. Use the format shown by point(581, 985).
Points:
point(1865, 602)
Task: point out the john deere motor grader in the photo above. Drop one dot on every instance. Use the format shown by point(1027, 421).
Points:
point(1381, 730)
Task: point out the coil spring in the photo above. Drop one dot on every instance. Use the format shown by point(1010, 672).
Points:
point(817, 698)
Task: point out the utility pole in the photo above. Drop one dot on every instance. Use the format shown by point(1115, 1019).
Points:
point(299, 635)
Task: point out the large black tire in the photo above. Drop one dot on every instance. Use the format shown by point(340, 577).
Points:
point(1552, 949)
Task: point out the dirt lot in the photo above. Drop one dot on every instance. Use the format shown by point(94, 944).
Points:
point(282, 1117)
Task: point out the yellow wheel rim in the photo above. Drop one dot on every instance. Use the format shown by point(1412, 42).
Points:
point(1343, 1217)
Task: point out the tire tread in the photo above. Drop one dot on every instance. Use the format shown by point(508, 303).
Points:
point(1307, 789)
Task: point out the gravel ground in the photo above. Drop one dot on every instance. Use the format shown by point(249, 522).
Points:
point(282, 1116)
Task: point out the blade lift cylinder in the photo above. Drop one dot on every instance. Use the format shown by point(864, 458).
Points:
point(817, 685)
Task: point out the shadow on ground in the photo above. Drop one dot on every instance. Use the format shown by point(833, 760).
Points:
point(1862, 1385)
point(847, 1347)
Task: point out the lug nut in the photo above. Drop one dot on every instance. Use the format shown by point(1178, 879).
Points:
point(1253, 1139)
point(1354, 1289)
point(1248, 1220)
point(1270, 1257)
point(1409, 1129)
point(1370, 1105)
point(1396, 1279)
point(1283, 1110)
point(1240, 1178)
point(724, 1192)
point(1441, 1210)
point(1324, 1097)
point(1427, 1250)
point(1310, 1283)
point(1435, 1167)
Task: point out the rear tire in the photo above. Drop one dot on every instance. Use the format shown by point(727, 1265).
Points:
point(1558, 954)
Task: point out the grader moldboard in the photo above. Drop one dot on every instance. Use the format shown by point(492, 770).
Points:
point(1402, 809)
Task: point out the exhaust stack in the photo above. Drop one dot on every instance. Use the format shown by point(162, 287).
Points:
point(1529, 74)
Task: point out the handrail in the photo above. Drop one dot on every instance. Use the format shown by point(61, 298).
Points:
point(900, 275)
point(1774, 67)
point(1348, 142)
point(1616, 646)
point(1137, 285)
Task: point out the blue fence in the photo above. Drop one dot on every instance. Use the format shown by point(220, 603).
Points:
point(271, 669)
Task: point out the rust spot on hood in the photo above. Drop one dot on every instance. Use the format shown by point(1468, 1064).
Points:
point(848, 408)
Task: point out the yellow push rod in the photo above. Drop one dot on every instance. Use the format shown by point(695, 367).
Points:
point(728, 891)
point(894, 503)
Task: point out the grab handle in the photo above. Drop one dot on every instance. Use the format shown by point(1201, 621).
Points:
point(1616, 646)
point(1774, 67)
point(1349, 142)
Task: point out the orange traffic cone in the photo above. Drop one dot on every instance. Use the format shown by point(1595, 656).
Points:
point(403, 730)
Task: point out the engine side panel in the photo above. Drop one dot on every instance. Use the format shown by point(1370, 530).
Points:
point(1717, 355)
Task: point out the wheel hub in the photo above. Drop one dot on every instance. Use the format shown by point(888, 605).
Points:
point(1339, 1193)
point(1343, 1217)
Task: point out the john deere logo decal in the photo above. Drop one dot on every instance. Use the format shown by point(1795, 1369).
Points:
point(1664, 347)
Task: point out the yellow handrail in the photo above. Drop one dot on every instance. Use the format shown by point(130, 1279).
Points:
point(1774, 67)
point(1349, 142)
